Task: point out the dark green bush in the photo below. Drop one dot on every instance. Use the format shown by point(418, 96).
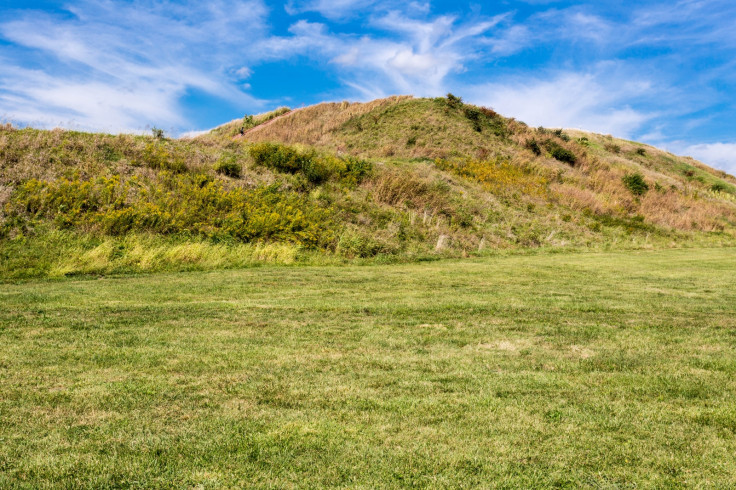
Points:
point(482, 117)
point(641, 152)
point(560, 153)
point(719, 187)
point(562, 135)
point(636, 184)
point(473, 115)
point(315, 167)
point(279, 157)
point(454, 101)
point(533, 146)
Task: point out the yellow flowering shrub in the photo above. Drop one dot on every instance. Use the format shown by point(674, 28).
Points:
point(498, 176)
point(177, 204)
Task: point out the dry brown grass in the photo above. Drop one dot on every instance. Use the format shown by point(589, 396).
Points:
point(579, 199)
point(682, 212)
point(313, 125)
point(403, 188)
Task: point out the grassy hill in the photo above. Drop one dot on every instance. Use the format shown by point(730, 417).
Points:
point(396, 179)
point(612, 369)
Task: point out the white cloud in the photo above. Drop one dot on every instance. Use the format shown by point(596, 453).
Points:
point(421, 58)
point(411, 56)
point(718, 155)
point(120, 66)
point(593, 102)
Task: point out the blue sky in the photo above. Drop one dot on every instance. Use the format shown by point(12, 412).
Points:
point(655, 71)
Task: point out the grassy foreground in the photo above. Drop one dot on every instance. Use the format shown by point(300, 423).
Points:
point(608, 370)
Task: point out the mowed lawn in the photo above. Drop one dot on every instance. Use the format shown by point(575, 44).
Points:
point(612, 370)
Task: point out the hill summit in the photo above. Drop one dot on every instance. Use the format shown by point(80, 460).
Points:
point(400, 178)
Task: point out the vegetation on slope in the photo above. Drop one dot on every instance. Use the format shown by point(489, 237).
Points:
point(393, 179)
point(527, 372)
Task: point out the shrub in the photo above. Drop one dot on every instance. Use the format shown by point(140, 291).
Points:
point(719, 187)
point(641, 152)
point(356, 170)
point(560, 153)
point(228, 165)
point(157, 133)
point(188, 204)
point(248, 123)
point(454, 101)
point(278, 157)
point(583, 140)
point(482, 116)
point(612, 148)
point(473, 115)
point(316, 168)
point(636, 184)
point(562, 135)
point(533, 146)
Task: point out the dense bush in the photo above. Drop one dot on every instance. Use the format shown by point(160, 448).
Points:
point(315, 167)
point(454, 101)
point(636, 184)
point(473, 115)
point(482, 117)
point(279, 157)
point(561, 134)
point(533, 146)
point(560, 153)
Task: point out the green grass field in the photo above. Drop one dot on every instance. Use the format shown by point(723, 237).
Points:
point(611, 370)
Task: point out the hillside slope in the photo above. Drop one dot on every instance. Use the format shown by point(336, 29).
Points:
point(393, 179)
point(583, 171)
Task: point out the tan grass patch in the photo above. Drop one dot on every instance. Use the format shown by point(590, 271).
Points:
point(313, 125)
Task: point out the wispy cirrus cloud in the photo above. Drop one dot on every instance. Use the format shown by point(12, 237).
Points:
point(592, 101)
point(661, 71)
point(118, 67)
point(404, 54)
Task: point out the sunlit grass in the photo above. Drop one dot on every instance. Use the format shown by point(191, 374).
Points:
point(602, 370)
